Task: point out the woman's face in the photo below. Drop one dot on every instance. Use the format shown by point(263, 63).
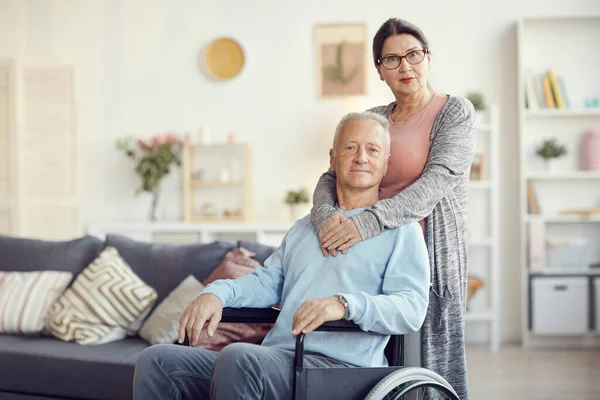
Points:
point(407, 78)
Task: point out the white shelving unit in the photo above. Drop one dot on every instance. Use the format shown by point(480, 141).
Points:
point(268, 233)
point(484, 311)
point(557, 301)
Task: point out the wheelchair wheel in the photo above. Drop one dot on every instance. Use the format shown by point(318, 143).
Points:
point(408, 380)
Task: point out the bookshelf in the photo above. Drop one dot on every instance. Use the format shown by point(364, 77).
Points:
point(558, 249)
point(216, 182)
point(482, 318)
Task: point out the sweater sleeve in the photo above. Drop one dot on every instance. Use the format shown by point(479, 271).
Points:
point(262, 288)
point(324, 199)
point(402, 306)
point(449, 162)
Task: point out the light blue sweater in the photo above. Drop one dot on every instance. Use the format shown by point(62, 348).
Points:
point(385, 280)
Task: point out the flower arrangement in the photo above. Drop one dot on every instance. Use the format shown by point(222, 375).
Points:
point(154, 159)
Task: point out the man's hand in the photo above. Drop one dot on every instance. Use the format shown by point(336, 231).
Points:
point(205, 308)
point(340, 237)
point(314, 313)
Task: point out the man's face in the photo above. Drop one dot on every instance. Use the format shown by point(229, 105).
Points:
point(360, 158)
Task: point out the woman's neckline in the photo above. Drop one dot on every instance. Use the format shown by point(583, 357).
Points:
point(429, 102)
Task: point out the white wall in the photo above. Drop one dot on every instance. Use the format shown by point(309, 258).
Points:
point(137, 66)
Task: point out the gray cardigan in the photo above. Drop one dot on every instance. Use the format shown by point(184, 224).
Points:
point(440, 195)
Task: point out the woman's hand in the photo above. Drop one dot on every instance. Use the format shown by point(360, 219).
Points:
point(338, 233)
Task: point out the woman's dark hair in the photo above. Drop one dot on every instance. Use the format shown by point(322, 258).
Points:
point(396, 26)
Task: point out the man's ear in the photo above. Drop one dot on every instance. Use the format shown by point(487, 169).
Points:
point(331, 160)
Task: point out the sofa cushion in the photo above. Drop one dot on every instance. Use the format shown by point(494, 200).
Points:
point(164, 266)
point(45, 365)
point(106, 302)
point(23, 254)
point(236, 264)
point(262, 251)
point(26, 298)
point(162, 326)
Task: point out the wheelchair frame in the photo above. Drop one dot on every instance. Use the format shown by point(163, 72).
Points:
point(344, 383)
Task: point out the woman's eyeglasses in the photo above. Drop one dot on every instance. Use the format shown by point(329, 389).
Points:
point(412, 57)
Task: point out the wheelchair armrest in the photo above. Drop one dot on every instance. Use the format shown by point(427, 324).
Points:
point(250, 315)
point(341, 325)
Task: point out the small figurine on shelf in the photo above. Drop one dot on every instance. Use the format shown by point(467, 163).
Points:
point(551, 151)
point(232, 212)
point(474, 284)
point(297, 200)
point(477, 168)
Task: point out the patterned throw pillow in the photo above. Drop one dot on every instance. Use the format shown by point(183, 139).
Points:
point(235, 264)
point(106, 302)
point(26, 297)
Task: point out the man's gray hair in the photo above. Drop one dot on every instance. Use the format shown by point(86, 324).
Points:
point(363, 115)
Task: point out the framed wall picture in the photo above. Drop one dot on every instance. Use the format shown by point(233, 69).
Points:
point(341, 60)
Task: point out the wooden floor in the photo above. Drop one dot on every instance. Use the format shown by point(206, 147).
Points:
point(514, 373)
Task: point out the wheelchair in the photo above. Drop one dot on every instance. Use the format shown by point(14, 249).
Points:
point(396, 382)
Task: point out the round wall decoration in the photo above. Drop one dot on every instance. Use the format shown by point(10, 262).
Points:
point(224, 58)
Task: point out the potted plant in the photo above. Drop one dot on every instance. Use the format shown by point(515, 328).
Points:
point(153, 161)
point(550, 151)
point(478, 101)
point(297, 200)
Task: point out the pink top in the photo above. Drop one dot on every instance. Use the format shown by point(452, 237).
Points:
point(410, 148)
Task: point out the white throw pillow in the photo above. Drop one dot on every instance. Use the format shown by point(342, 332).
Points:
point(26, 297)
point(106, 302)
point(163, 324)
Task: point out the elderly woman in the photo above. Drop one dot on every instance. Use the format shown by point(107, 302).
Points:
point(433, 144)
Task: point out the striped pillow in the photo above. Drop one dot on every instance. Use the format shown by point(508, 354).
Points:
point(106, 302)
point(26, 297)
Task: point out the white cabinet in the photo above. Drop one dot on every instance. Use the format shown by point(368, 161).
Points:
point(560, 305)
point(268, 233)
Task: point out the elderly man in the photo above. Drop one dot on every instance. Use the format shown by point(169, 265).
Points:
point(381, 284)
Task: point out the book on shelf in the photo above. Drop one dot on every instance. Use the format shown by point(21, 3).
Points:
point(547, 90)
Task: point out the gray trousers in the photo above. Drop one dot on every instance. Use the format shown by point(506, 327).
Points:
point(239, 371)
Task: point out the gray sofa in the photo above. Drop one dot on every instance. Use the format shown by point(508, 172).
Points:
point(42, 367)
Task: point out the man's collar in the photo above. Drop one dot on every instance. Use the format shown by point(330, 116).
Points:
point(349, 213)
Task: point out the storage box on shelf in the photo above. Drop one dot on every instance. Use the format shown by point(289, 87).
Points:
point(483, 314)
point(560, 215)
point(217, 183)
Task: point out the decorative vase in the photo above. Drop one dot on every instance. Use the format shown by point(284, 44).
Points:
point(591, 150)
point(552, 164)
point(299, 210)
point(154, 204)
